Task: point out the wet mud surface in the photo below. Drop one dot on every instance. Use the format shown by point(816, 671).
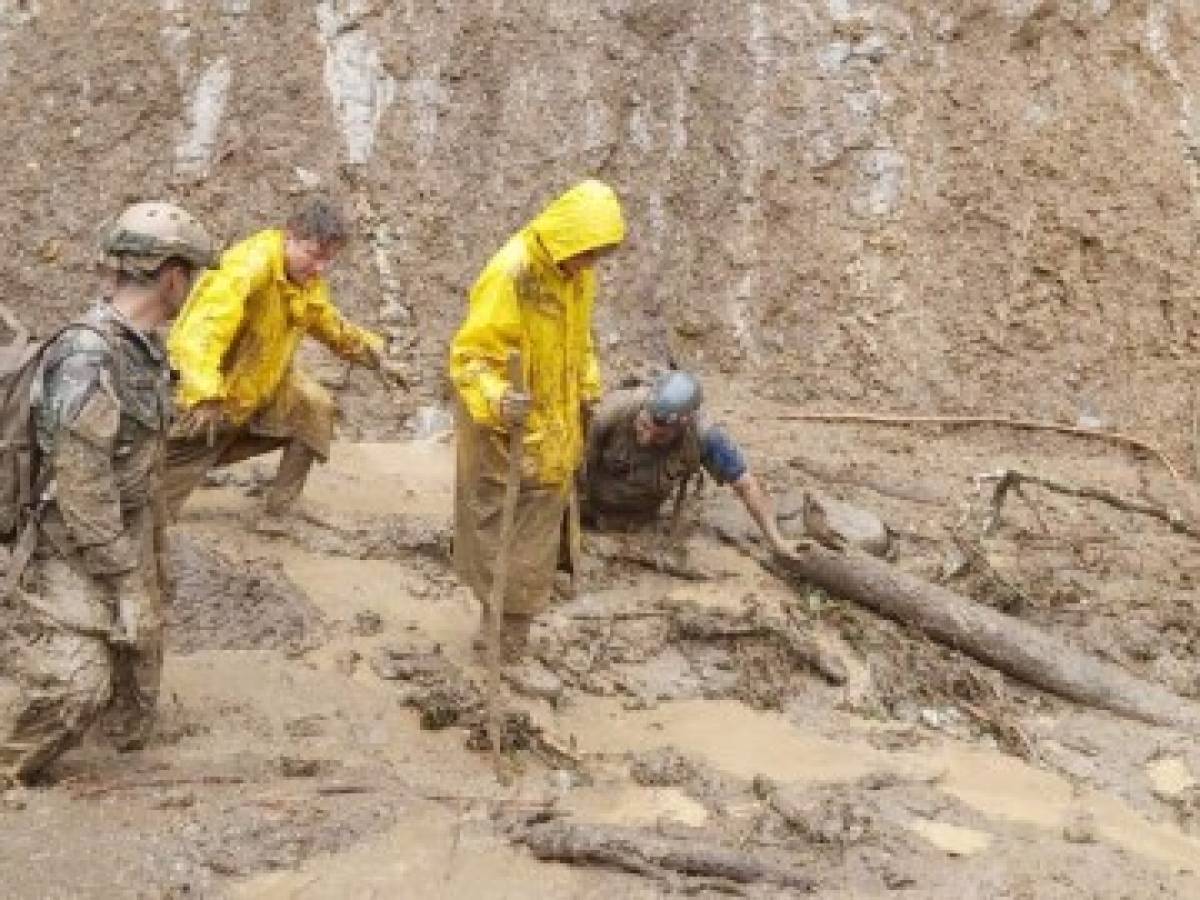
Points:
point(843, 206)
point(696, 723)
point(224, 601)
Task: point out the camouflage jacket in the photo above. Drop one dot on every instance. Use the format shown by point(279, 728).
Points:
point(101, 410)
point(621, 477)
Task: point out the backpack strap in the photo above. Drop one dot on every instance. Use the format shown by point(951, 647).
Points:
point(33, 481)
point(19, 556)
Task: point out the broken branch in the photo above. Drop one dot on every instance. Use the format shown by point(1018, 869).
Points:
point(1012, 479)
point(646, 853)
point(1112, 437)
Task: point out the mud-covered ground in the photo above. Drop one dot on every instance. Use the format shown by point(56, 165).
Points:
point(949, 206)
point(320, 732)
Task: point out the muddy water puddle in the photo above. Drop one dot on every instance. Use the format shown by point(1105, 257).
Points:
point(449, 850)
point(746, 743)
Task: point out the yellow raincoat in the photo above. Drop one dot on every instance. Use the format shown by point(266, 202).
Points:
point(237, 334)
point(523, 301)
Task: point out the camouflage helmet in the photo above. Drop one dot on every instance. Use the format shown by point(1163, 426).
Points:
point(675, 396)
point(146, 235)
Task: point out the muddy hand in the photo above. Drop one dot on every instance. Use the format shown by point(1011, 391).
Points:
point(514, 408)
point(202, 419)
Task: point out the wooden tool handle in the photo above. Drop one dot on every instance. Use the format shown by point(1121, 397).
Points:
point(512, 490)
point(516, 371)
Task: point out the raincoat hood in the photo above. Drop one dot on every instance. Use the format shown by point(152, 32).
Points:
point(586, 217)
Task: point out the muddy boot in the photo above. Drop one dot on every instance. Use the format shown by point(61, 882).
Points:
point(129, 732)
point(132, 711)
point(127, 725)
point(514, 636)
point(293, 471)
point(523, 673)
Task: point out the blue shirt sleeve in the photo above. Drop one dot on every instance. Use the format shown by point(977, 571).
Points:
point(721, 456)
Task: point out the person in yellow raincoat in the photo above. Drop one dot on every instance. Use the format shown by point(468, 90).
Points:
point(240, 393)
point(534, 296)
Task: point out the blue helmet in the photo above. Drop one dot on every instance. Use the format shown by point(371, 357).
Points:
point(674, 396)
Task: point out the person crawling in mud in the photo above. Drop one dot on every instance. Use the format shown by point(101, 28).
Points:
point(240, 393)
point(646, 444)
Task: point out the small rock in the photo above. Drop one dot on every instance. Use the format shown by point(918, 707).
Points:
point(897, 881)
point(367, 622)
point(177, 800)
point(532, 679)
point(294, 767)
point(423, 663)
point(396, 313)
point(954, 562)
point(1089, 416)
point(308, 179)
point(1080, 830)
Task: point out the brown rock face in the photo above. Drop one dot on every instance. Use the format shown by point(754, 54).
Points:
point(946, 206)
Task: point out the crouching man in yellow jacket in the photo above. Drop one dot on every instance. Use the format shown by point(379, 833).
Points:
point(240, 393)
point(534, 296)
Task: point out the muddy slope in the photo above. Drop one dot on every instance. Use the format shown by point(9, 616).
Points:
point(948, 205)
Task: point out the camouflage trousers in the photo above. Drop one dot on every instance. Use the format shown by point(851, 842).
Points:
point(61, 675)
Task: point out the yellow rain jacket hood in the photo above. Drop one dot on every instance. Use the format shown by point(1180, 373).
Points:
point(522, 301)
point(237, 334)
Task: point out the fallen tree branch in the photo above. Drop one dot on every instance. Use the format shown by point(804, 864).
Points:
point(1005, 643)
point(111, 787)
point(1012, 479)
point(803, 648)
point(647, 853)
point(657, 562)
point(1112, 437)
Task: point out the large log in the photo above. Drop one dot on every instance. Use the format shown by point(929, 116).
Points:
point(1007, 644)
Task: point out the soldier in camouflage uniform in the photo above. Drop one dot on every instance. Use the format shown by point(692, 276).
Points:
point(89, 628)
